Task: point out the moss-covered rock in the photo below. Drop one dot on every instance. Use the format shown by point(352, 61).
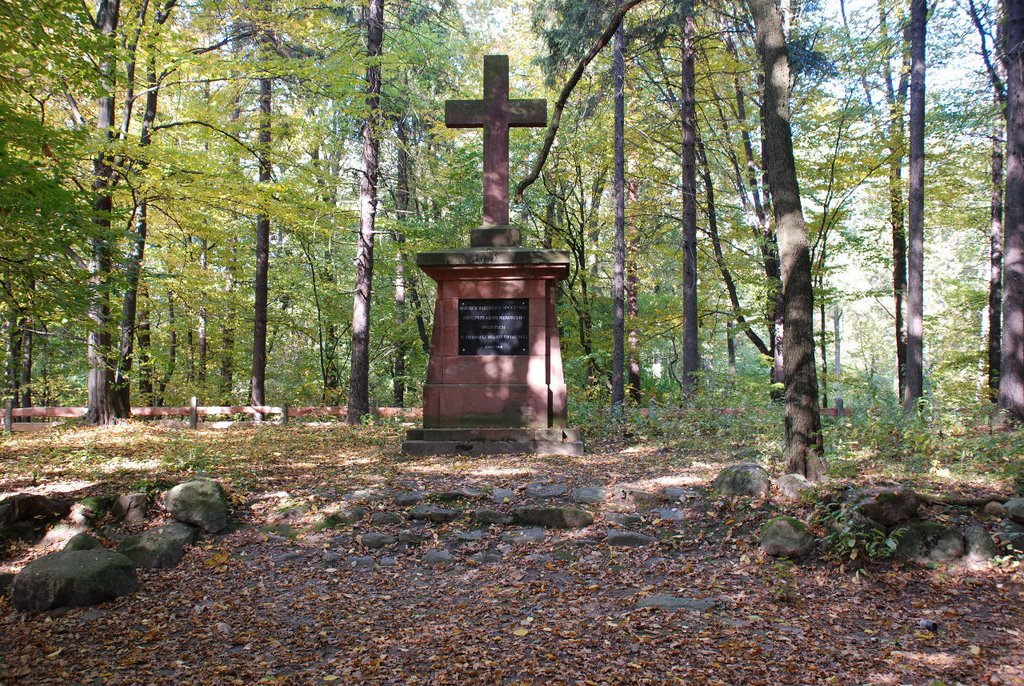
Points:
point(787, 537)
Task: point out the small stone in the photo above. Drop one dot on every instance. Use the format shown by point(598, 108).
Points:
point(629, 539)
point(531, 535)
point(388, 562)
point(744, 479)
point(787, 537)
point(641, 500)
point(365, 495)
point(131, 507)
point(501, 495)
point(588, 495)
point(979, 545)
point(374, 540)
point(889, 506)
point(491, 517)
point(82, 541)
point(793, 486)
point(433, 513)
point(670, 514)
point(362, 561)
point(410, 537)
point(543, 491)
point(994, 508)
point(487, 557)
point(553, 517)
point(163, 546)
point(1010, 533)
point(470, 536)
point(407, 498)
point(457, 495)
point(5, 583)
point(1015, 510)
point(386, 518)
point(623, 519)
point(437, 557)
point(670, 602)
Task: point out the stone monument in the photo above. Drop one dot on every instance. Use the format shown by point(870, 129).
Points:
point(494, 378)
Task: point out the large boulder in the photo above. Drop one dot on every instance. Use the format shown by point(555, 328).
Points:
point(931, 542)
point(1014, 508)
point(979, 544)
point(889, 507)
point(131, 507)
point(73, 579)
point(82, 541)
point(787, 537)
point(793, 486)
point(201, 502)
point(745, 478)
point(553, 517)
point(24, 514)
point(163, 546)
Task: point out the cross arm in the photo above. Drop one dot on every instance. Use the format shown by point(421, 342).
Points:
point(465, 114)
point(525, 113)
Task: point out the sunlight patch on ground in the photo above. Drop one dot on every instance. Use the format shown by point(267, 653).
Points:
point(129, 466)
point(55, 487)
point(503, 471)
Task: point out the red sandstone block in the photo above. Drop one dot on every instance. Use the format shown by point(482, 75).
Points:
point(507, 405)
point(488, 369)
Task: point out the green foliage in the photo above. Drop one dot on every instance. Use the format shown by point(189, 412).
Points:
point(852, 539)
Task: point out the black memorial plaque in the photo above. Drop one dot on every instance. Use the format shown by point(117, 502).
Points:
point(494, 326)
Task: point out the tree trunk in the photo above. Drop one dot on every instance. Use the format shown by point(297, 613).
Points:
point(101, 406)
point(632, 297)
point(1011, 380)
point(261, 285)
point(915, 208)
point(995, 272)
point(203, 319)
point(688, 154)
point(142, 334)
point(619, 183)
point(25, 380)
point(172, 352)
point(402, 205)
point(804, 447)
point(359, 379)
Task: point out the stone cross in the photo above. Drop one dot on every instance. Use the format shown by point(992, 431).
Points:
point(495, 114)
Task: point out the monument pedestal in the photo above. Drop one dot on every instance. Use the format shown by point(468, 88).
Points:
point(494, 378)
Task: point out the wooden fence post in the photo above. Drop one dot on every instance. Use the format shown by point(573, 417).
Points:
point(9, 416)
point(284, 413)
point(193, 413)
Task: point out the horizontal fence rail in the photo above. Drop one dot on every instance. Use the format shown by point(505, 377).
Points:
point(193, 412)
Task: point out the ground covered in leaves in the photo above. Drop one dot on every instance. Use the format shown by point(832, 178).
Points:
point(291, 595)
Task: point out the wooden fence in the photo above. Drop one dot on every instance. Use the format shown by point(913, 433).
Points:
point(192, 414)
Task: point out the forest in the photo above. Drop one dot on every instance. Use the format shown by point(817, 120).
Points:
point(792, 332)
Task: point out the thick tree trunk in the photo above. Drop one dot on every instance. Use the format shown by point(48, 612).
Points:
point(1011, 380)
point(688, 154)
point(143, 335)
point(995, 271)
point(25, 376)
point(172, 351)
point(261, 283)
point(101, 406)
point(804, 448)
point(359, 372)
point(619, 268)
point(203, 320)
point(915, 208)
point(402, 205)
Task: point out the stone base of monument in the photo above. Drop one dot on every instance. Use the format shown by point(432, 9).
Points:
point(494, 378)
point(507, 441)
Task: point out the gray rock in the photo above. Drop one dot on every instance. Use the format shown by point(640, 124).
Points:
point(365, 495)
point(362, 561)
point(1015, 510)
point(5, 583)
point(82, 541)
point(670, 514)
point(787, 537)
point(437, 557)
point(410, 537)
point(793, 486)
point(889, 507)
point(629, 539)
point(386, 518)
point(931, 542)
point(745, 479)
point(163, 546)
point(73, 579)
point(623, 519)
point(470, 536)
point(532, 535)
point(491, 517)
point(589, 495)
point(979, 545)
point(373, 540)
point(201, 502)
point(501, 495)
point(433, 513)
point(553, 517)
point(994, 508)
point(670, 602)
point(407, 498)
point(131, 507)
point(543, 491)
point(387, 562)
point(1010, 533)
point(641, 500)
point(29, 507)
point(487, 556)
point(675, 493)
point(345, 517)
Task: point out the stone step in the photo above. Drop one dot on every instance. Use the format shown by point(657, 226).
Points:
point(494, 434)
point(416, 447)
